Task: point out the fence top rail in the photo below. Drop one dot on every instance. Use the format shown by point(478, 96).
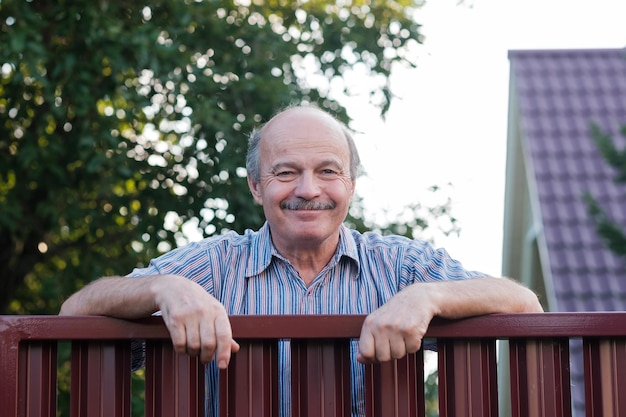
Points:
point(500, 326)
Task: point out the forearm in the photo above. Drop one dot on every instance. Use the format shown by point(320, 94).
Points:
point(120, 297)
point(397, 327)
point(197, 321)
point(472, 297)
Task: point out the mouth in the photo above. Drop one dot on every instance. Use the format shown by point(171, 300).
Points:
point(307, 205)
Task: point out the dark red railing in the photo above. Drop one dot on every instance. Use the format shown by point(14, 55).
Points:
point(539, 367)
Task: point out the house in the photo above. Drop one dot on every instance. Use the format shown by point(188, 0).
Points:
point(549, 240)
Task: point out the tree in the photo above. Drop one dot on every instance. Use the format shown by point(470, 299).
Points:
point(121, 123)
point(610, 231)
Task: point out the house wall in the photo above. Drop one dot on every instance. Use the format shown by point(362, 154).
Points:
point(520, 253)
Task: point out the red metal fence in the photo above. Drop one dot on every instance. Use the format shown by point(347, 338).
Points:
point(539, 367)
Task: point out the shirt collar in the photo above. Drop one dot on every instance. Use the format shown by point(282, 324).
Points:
point(262, 250)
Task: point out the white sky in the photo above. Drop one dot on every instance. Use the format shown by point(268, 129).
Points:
point(450, 120)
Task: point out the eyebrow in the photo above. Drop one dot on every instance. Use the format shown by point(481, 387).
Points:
point(293, 165)
point(281, 165)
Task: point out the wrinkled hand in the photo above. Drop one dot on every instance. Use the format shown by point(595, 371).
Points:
point(197, 321)
point(397, 328)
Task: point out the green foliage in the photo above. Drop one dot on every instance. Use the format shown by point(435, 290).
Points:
point(431, 394)
point(122, 121)
point(611, 232)
point(412, 221)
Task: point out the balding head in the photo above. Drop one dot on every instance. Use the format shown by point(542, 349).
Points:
point(253, 159)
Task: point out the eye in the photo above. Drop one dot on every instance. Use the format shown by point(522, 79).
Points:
point(285, 175)
point(329, 173)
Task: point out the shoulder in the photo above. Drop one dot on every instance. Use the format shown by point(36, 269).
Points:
point(204, 250)
point(228, 239)
point(391, 250)
point(227, 246)
point(373, 241)
point(400, 250)
point(199, 259)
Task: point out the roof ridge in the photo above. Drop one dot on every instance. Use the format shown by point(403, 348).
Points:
point(566, 51)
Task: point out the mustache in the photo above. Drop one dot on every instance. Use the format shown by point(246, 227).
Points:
point(301, 204)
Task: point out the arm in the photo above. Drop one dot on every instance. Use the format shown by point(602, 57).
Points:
point(197, 322)
point(397, 327)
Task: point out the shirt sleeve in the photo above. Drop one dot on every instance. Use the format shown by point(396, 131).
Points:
point(190, 261)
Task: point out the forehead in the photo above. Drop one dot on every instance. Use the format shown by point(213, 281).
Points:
point(303, 131)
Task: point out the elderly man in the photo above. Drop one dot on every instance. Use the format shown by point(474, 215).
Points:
point(302, 168)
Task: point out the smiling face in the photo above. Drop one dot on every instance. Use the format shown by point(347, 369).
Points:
point(304, 186)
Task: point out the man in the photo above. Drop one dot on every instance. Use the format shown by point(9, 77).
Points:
point(302, 168)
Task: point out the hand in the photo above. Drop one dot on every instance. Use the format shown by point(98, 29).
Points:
point(197, 321)
point(396, 328)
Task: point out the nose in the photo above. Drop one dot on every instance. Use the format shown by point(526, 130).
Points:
point(308, 186)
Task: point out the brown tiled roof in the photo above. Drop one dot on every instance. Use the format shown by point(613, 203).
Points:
point(561, 93)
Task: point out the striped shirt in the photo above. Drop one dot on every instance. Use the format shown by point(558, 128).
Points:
point(248, 276)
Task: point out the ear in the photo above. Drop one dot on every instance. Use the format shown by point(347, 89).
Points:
point(255, 189)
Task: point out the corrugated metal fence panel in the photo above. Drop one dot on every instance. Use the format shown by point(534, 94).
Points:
point(249, 387)
point(320, 378)
point(100, 379)
point(38, 379)
point(540, 377)
point(396, 388)
point(468, 378)
point(174, 383)
point(605, 377)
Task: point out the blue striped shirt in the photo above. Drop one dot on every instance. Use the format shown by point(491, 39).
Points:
point(248, 276)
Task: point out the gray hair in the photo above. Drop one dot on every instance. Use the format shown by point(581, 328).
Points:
point(253, 157)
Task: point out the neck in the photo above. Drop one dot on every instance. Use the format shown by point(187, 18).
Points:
point(309, 260)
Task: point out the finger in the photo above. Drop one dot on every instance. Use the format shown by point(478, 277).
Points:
point(397, 348)
point(193, 338)
point(413, 344)
point(224, 336)
point(383, 348)
point(207, 341)
point(367, 352)
point(177, 334)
